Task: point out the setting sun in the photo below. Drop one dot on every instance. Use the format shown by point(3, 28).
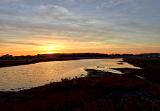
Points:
point(49, 49)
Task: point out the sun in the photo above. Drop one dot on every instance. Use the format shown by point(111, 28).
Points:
point(49, 49)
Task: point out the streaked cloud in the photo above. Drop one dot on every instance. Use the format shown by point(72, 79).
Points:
point(3, 42)
point(112, 3)
point(106, 22)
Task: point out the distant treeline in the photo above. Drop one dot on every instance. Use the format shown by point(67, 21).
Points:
point(72, 55)
point(56, 56)
point(10, 60)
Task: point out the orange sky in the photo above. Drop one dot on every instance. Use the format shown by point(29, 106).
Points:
point(71, 46)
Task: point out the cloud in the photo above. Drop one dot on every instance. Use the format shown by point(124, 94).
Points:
point(112, 3)
point(19, 42)
point(51, 10)
point(77, 22)
point(10, 0)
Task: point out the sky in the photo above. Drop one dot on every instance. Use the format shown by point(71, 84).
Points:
point(29, 27)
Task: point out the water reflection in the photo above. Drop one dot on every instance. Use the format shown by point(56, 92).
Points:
point(33, 75)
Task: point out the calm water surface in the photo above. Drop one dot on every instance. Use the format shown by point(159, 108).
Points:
point(33, 75)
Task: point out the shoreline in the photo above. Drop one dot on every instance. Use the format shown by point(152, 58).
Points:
point(110, 92)
point(11, 63)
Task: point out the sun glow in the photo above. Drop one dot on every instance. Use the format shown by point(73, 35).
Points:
point(49, 49)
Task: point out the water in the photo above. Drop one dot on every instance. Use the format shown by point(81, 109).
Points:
point(33, 75)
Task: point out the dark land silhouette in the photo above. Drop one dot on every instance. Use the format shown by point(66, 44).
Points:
point(10, 60)
point(135, 90)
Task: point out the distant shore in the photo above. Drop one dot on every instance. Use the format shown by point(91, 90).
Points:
point(24, 60)
point(110, 91)
point(9, 60)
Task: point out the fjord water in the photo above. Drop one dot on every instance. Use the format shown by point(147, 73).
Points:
point(33, 75)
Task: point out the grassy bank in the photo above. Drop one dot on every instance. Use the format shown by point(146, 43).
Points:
point(150, 66)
